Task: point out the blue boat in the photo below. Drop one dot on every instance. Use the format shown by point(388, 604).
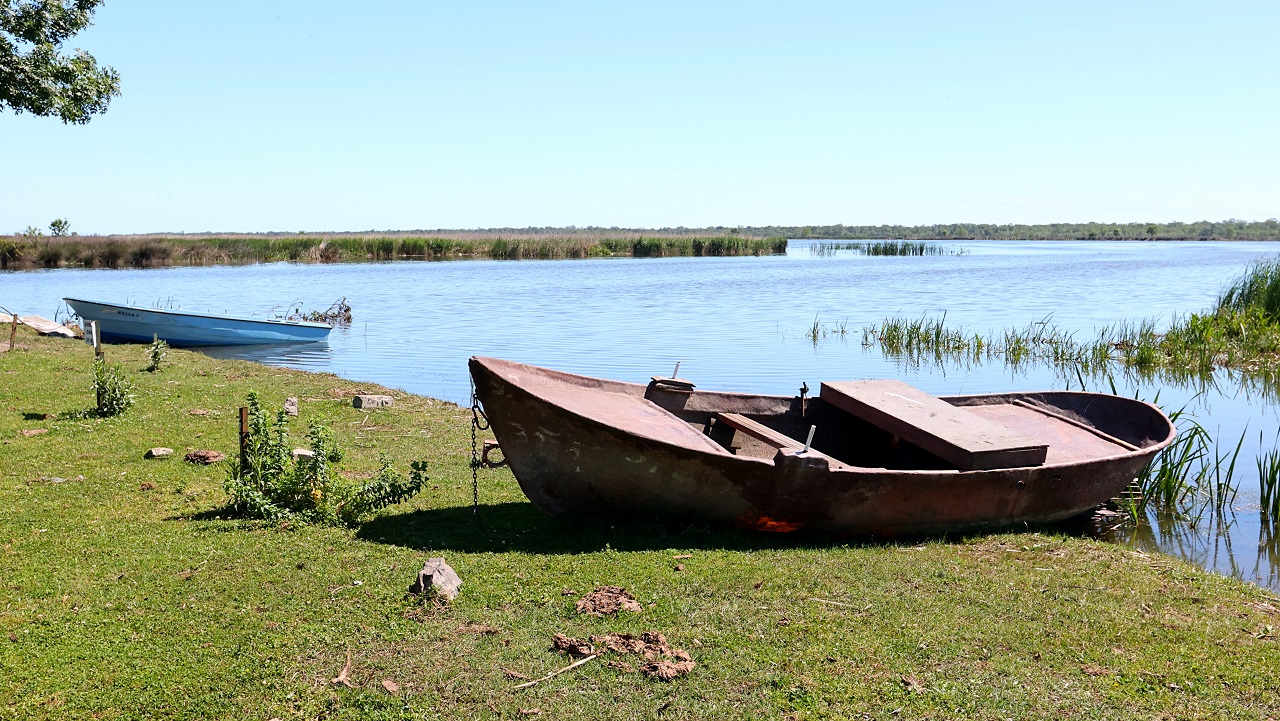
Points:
point(181, 328)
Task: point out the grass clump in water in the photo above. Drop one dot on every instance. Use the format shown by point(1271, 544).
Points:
point(886, 248)
point(1258, 288)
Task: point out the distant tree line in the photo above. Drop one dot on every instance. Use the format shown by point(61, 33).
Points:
point(1200, 230)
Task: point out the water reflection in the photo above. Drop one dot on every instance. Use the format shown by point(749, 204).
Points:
point(292, 355)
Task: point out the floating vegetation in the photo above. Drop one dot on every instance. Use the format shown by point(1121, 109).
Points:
point(886, 247)
point(337, 314)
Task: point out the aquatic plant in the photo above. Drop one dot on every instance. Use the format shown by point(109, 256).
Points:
point(1258, 287)
point(1190, 476)
point(886, 248)
point(820, 330)
point(1269, 483)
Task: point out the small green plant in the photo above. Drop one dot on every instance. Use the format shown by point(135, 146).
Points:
point(113, 391)
point(268, 483)
point(1269, 482)
point(155, 354)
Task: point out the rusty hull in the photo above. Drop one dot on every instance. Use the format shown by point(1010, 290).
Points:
point(592, 447)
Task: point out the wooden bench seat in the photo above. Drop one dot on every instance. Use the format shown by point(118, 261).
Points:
point(767, 435)
point(955, 435)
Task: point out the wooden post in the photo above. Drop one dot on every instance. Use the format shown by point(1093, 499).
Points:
point(13, 332)
point(244, 441)
point(95, 339)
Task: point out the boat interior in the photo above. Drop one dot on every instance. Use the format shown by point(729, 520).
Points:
point(1035, 428)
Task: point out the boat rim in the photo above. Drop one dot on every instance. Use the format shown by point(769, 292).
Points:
point(274, 321)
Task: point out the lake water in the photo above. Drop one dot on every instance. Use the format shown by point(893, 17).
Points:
point(737, 324)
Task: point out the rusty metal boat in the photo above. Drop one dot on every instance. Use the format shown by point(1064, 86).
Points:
point(862, 457)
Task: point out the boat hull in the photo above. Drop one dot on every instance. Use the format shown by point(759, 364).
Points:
point(570, 463)
point(178, 328)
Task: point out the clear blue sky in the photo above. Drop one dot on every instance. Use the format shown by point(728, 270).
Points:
point(286, 116)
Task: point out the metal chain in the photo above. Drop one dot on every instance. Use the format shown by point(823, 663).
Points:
point(477, 425)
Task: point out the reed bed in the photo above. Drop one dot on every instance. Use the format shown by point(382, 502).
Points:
point(1189, 477)
point(1258, 289)
point(886, 248)
point(158, 250)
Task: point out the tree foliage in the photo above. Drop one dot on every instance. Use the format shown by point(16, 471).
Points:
point(35, 76)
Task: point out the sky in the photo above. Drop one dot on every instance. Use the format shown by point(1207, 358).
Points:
point(326, 116)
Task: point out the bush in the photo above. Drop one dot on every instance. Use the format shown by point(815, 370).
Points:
point(155, 353)
point(271, 485)
point(112, 389)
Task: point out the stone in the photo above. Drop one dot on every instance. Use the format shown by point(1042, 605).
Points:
point(291, 406)
point(33, 431)
point(437, 578)
point(158, 452)
point(204, 457)
point(303, 453)
point(370, 401)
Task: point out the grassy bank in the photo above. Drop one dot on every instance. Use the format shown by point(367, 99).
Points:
point(128, 593)
point(115, 251)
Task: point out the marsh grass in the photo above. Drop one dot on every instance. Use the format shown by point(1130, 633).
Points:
point(886, 248)
point(1258, 288)
point(129, 594)
point(1269, 482)
point(208, 249)
point(820, 330)
point(1191, 477)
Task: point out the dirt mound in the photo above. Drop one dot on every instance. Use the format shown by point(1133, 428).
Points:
point(572, 646)
point(665, 663)
point(651, 644)
point(205, 458)
point(607, 601)
point(667, 670)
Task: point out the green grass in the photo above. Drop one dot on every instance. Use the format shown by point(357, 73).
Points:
point(128, 593)
point(210, 249)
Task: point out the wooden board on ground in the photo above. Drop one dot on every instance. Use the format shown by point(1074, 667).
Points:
point(43, 326)
point(954, 434)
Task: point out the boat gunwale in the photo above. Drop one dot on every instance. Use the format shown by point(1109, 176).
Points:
point(268, 321)
point(843, 467)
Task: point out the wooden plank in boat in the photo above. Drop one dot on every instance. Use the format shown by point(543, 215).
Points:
point(764, 433)
point(966, 439)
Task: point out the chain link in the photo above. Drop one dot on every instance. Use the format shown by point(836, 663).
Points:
point(479, 422)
